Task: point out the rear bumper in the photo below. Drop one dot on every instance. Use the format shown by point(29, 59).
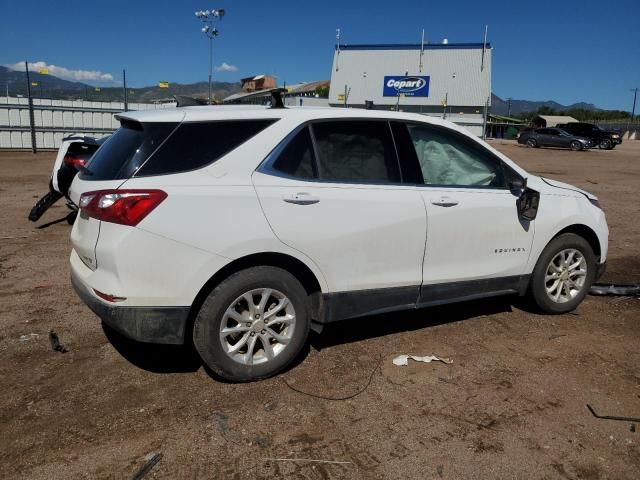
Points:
point(144, 324)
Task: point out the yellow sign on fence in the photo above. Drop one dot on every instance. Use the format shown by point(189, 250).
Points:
point(34, 84)
point(163, 84)
point(43, 71)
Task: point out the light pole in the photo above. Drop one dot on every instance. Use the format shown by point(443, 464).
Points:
point(633, 110)
point(207, 17)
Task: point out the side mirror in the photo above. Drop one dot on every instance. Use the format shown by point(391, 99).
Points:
point(518, 186)
point(528, 203)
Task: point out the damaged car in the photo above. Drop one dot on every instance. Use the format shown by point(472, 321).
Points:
point(242, 229)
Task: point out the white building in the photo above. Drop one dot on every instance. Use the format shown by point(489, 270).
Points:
point(447, 79)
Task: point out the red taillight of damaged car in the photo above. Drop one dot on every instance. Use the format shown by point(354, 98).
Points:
point(125, 207)
point(75, 160)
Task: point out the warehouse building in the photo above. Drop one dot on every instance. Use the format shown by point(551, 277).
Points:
point(451, 80)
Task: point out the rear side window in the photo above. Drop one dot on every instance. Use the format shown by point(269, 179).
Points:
point(356, 151)
point(123, 153)
point(297, 158)
point(195, 145)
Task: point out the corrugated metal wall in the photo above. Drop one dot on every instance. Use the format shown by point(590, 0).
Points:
point(55, 119)
point(460, 74)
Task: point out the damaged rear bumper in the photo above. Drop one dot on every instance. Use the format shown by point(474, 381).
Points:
point(145, 324)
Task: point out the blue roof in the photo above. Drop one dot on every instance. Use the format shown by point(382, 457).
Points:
point(414, 46)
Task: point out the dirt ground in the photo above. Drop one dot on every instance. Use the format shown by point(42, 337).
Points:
point(512, 405)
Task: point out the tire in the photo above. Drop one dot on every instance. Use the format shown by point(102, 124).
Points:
point(531, 142)
point(569, 298)
point(605, 144)
point(229, 300)
point(576, 146)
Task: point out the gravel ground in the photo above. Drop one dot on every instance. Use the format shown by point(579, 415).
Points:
point(512, 404)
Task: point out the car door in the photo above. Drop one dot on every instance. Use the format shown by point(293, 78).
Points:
point(332, 190)
point(476, 242)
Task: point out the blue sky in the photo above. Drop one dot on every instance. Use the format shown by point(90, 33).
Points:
point(567, 51)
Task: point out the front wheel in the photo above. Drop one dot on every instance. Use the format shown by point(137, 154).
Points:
point(531, 142)
point(576, 146)
point(253, 324)
point(564, 272)
point(605, 144)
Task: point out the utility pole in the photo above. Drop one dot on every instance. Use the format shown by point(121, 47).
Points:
point(32, 123)
point(633, 110)
point(124, 90)
point(509, 110)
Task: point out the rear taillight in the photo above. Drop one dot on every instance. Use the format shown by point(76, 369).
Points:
point(74, 160)
point(126, 207)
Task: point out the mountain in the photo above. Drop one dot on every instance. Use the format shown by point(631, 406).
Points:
point(501, 107)
point(50, 86)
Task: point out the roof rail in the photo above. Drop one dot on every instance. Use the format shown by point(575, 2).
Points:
point(276, 97)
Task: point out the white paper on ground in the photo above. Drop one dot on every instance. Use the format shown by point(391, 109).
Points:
point(403, 360)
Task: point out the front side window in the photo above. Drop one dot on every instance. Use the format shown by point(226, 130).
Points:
point(450, 159)
point(357, 151)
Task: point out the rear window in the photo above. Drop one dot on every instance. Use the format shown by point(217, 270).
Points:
point(194, 145)
point(133, 149)
point(123, 153)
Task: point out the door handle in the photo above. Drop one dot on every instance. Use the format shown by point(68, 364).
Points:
point(445, 202)
point(301, 198)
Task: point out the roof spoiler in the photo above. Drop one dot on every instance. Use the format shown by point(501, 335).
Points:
point(184, 101)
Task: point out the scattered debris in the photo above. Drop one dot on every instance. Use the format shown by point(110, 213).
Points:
point(612, 289)
point(553, 337)
point(613, 417)
point(152, 459)
point(26, 338)
point(311, 460)
point(592, 182)
point(222, 420)
point(348, 397)
point(403, 360)
point(55, 343)
point(14, 237)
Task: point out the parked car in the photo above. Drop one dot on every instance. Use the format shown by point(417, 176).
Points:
point(553, 137)
point(74, 152)
point(243, 228)
point(604, 139)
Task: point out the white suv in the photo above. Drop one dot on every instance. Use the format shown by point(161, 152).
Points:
point(242, 228)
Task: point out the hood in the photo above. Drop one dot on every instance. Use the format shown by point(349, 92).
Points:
point(566, 186)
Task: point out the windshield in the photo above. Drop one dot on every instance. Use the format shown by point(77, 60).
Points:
point(123, 153)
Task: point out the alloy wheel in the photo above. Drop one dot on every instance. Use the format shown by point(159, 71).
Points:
point(257, 326)
point(565, 276)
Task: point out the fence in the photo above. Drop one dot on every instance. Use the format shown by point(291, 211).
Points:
point(56, 119)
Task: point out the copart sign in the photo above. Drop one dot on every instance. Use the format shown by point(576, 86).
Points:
point(408, 86)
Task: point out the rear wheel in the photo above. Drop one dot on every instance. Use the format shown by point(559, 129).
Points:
point(605, 144)
point(576, 145)
point(252, 325)
point(531, 142)
point(563, 274)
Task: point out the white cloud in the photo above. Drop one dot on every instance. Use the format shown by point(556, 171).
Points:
point(225, 67)
point(66, 73)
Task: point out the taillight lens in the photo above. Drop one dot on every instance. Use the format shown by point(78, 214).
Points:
point(73, 160)
point(125, 207)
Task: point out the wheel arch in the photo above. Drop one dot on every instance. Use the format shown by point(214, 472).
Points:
point(293, 265)
point(585, 232)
